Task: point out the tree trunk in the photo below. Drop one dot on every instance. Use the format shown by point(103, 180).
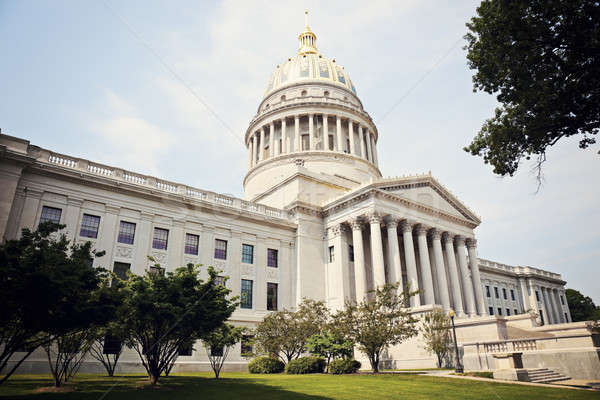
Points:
point(439, 363)
point(153, 379)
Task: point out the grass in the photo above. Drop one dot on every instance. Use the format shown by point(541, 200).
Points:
point(282, 386)
point(479, 374)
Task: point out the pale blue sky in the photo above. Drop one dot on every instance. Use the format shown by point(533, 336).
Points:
point(74, 79)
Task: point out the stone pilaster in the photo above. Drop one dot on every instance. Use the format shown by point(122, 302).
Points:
point(297, 144)
point(440, 269)
point(411, 264)
point(369, 153)
point(338, 130)
point(426, 276)
point(261, 149)
point(360, 275)
point(474, 264)
point(377, 251)
point(351, 136)
point(468, 290)
point(361, 137)
point(454, 277)
point(394, 266)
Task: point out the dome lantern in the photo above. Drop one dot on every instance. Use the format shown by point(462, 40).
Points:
point(307, 39)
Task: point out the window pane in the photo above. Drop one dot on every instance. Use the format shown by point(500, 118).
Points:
point(220, 280)
point(191, 244)
point(272, 258)
point(89, 226)
point(120, 269)
point(246, 294)
point(248, 254)
point(220, 249)
point(271, 296)
point(50, 214)
point(126, 232)
point(160, 239)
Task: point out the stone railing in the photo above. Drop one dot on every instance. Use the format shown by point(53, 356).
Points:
point(518, 269)
point(167, 187)
point(504, 346)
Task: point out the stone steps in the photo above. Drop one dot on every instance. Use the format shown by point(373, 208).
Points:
point(545, 375)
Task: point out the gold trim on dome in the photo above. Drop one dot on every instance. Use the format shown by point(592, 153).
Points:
point(307, 39)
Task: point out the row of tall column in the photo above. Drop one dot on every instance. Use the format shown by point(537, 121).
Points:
point(268, 142)
point(546, 302)
point(461, 284)
point(552, 304)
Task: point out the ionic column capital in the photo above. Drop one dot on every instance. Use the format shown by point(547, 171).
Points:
point(356, 223)
point(406, 226)
point(435, 233)
point(471, 243)
point(460, 240)
point(391, 221)
point(421, 230)
point(374, 218)
point(447, 237)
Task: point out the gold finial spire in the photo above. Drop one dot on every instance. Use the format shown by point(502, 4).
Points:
point(307, 39)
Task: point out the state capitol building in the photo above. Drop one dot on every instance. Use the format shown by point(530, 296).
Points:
point(318, 220)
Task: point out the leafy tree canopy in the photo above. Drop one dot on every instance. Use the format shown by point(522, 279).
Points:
point(436, 334)
point(49, 289)
point(542, 59)
point(167, 310)
point(581, 307)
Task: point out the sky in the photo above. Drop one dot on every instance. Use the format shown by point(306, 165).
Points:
point(168, 89)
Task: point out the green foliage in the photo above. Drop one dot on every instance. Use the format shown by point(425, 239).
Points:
point(436, 334)
point(344, 366)
point(219, 342)
point(330, 344)
point(582, 308)
point(49, 291)
point(378, 322)
point(164, 311)
point(541, 59)
point(286, 333)
point(306, 365)
point(266, 365)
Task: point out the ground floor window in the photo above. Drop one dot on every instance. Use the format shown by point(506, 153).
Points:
point(246, 346)
point(246, 294)
point(491, 310)
point(271, 296)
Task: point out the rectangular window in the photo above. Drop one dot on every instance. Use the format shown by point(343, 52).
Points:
point(537, 295)
point(120, 269)
point(272, 258)
point(499, 311)
point(566, 318)
point(305, 144)
point(516, 312)
point(487, 291)
point(542, 317)
point(248, 254)
point(247, 345)
point(508, 312)
point(89, 226)
point(191, 244)
point(496, 292)
point(562, 300)
point(246, 294)
point(126, 232)
point(331, 254)
point(160, 239)
point(51, 214)
point(271, 296)
point(504, 294)
point(351, 252)
point(220, 249)
point(220, 281)
point(330, 142)
point(491, 310)
point(512, 295)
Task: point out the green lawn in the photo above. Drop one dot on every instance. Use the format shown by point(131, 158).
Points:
point(289, 387)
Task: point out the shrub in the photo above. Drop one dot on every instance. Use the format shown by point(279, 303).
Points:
point(306, 365)
point(345, 366)
point(265, 365)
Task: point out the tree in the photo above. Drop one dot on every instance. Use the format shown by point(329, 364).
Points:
point(219, 342)
point(285, 333)
point(330, 344)
point(436, 334)
point(49, 291)
point(581, 307)
point(542, 58)
point(164, 311)
point(378, 322)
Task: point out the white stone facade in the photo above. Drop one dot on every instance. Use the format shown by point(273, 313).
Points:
point(314, 197)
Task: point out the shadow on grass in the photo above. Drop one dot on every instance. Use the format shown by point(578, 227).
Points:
point(136, 387)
